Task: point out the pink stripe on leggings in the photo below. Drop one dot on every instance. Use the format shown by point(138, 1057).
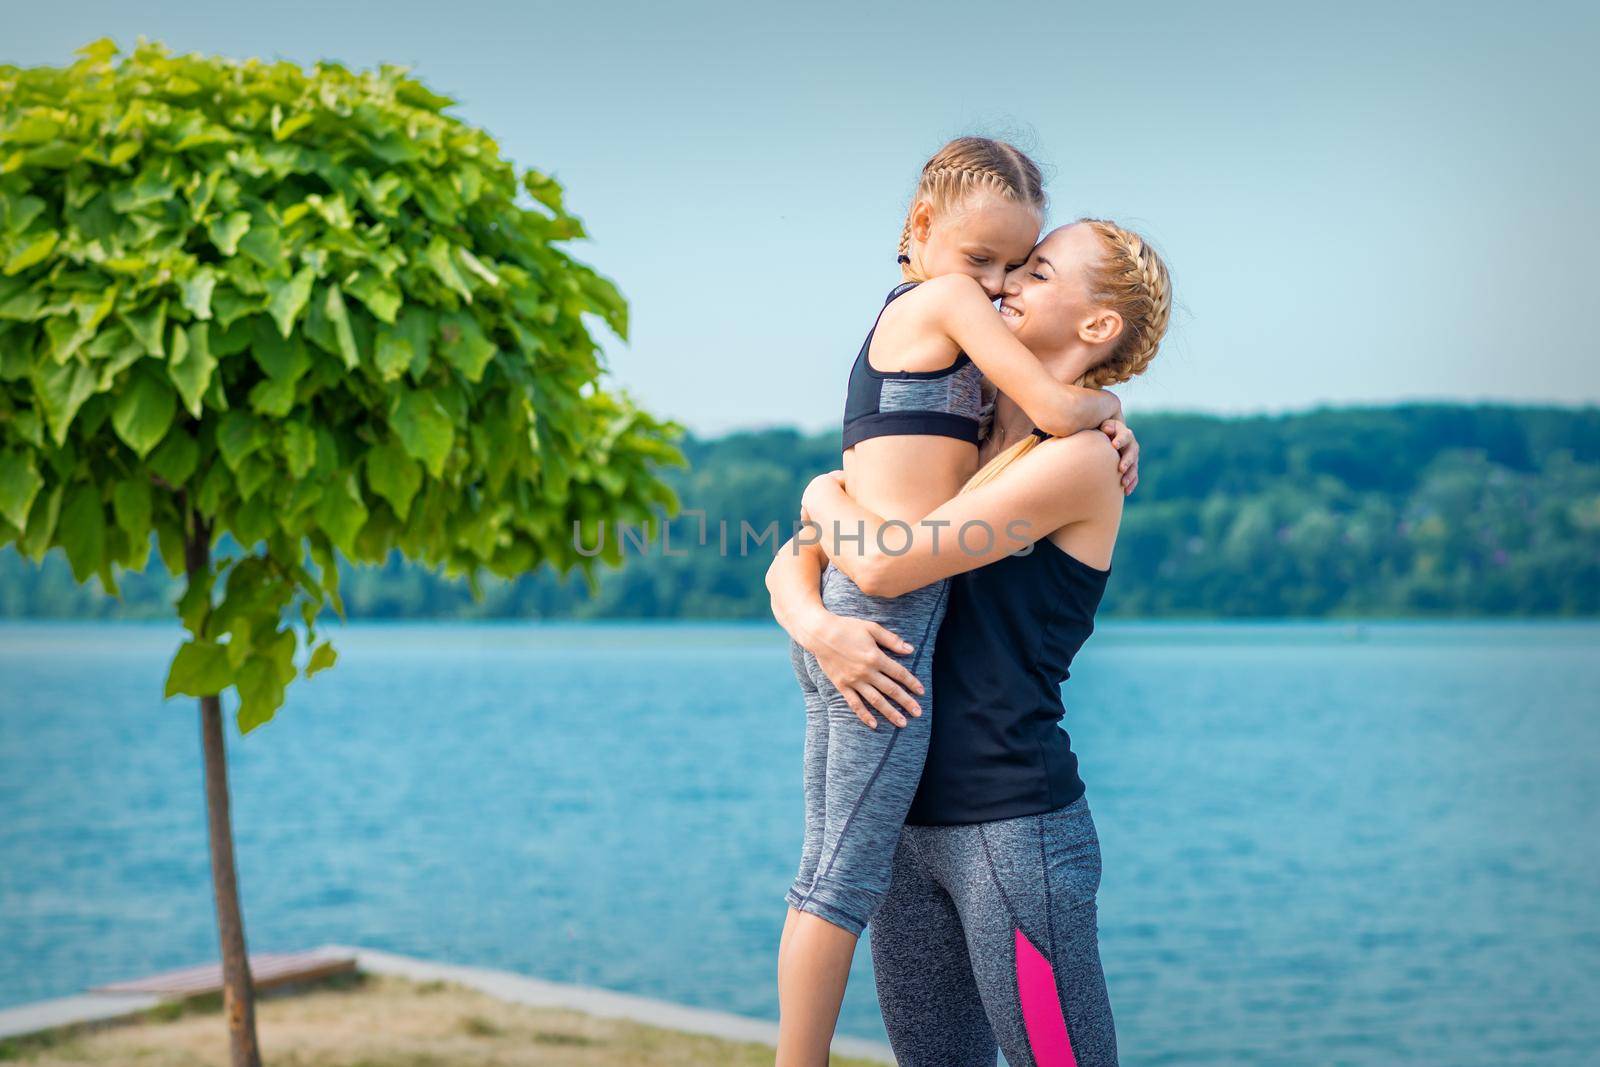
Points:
point(1041, 1008)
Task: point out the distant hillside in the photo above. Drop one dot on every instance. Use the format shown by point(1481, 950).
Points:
point(1410, 510)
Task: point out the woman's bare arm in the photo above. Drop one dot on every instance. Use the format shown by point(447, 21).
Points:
point(959, 306)
point(849, 651)
point(1057, 483)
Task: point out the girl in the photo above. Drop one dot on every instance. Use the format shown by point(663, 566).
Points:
point(911, 431)
point(988, 937)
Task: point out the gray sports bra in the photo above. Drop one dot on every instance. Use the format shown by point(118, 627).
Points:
point(880, 403)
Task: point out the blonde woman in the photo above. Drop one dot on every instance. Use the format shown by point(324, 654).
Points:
point(987, 938)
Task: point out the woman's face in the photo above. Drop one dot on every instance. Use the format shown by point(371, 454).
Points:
point(1047, 298)
point(983, 237)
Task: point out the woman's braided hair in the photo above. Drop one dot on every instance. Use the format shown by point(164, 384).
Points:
point(1131, 279)
point(968, 164)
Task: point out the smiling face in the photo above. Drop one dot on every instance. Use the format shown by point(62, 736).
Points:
point(982, 236)
point(1047, 301)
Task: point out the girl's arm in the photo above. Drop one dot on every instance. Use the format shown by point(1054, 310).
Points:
point(849, 651)
point(961, 308)
point(1057, 483)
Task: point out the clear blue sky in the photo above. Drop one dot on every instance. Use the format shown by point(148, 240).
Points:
point(1359, 203)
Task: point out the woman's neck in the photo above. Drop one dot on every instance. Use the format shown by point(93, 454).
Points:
point(1011, 423)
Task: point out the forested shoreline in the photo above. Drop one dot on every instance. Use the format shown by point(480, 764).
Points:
point(1413, 510)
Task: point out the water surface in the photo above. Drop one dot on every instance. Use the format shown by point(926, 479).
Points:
point(1323, 843)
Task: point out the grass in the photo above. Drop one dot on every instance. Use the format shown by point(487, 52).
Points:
point(381, 1021)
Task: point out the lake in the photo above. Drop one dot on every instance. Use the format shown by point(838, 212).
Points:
point(1324, 843)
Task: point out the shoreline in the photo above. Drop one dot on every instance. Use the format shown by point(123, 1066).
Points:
point(99, 1007)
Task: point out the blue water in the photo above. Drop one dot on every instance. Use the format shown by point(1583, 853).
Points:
point(1323, 843)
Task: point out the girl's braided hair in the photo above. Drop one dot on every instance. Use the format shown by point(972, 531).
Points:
point(968, 164)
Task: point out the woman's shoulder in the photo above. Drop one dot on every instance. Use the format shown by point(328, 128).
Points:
point(1087, 458)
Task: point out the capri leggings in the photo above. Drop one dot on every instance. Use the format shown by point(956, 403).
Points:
point(858, 781)
point(989, 941)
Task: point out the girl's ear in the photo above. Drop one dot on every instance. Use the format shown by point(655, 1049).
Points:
point(1101, 326)
point(921, 220)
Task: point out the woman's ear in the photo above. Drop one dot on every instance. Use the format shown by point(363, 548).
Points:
point(921, 220)
point(1101, 326)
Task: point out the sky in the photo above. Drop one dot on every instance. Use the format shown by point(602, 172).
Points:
point(1359, 203)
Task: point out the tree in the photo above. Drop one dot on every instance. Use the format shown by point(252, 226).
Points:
point(312, 311)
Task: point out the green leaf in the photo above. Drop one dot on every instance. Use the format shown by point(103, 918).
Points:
point(463, 344)
point(286, 298)
point(393, 353)
point(299, 448)
point(393, 475)
point(341, 513)
point(226, 231)
point(83, 530)
point(149, 326)
point(477, 266)
point(192, 363)
point(22, 306)
point(279, 357)
point(273, 397)
point(19, 484)
point(176, 459)
point(424, 429)
point(444, 267)
point(339, 316)
point(200, 669)
point(131, 503)
point(260, 693)
point(144, 412)
point(381, 297)
point(42, 523)
point(31, 253)
point(62, 388)
point(417, 326)
point(238, 435)
point(197, 292)
point(263, 245)
point(322, 657)
point(194, 606)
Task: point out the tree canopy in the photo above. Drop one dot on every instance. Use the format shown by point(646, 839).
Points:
point(307, 310)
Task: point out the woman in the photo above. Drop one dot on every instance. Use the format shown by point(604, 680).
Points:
point(988, 936)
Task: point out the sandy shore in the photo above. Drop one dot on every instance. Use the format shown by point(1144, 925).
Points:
point(368, 1020)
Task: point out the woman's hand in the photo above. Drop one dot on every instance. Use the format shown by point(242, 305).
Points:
point(851, 653)
point(1127, 447)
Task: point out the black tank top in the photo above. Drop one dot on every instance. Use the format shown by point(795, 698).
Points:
point(1008, 638)
point(880, 403)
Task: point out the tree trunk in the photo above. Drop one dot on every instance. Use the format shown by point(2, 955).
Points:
point(238, 994)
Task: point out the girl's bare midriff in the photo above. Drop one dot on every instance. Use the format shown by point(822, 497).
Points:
point(906, 476)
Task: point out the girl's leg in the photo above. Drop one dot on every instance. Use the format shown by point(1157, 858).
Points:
point(814, 774)
point(813, 968)
point(926, 990)
point(791, 991)
point(871, 776)
point(1025, 890)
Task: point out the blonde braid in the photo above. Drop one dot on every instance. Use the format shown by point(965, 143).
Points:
point(1133, 281)
point(968, 164)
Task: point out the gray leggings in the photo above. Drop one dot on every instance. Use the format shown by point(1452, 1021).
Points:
point(989, 940)
point(859, 782)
